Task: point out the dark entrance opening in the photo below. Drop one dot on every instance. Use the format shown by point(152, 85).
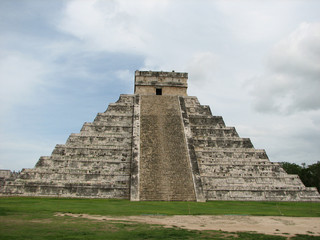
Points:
point(158, 91)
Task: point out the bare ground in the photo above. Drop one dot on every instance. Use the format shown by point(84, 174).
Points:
point(286, 226)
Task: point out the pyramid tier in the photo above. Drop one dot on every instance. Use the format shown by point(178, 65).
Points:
point(211, 131)
point(92, 163)
point(225, 153)
point(309, 194)
point(231, 168)
point(149, 147)
point(72, 189)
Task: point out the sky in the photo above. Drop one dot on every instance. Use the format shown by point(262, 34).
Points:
point(255, 63)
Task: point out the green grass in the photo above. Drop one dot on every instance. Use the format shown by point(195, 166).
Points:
point(70, 228)
point(126, 208)
point(33, 218)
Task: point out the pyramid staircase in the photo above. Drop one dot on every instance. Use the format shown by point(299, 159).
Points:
point(165, 172)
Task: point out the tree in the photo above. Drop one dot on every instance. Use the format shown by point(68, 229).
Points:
point(309, 175)
point(315, 175)
point(291, 168)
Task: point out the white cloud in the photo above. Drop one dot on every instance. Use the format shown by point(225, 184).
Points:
point(125, 75)
point(299, 53)
point(106, 25)
point(202, 67)
point(26, 151)
point(219, 43)
point(164, 34)
point(292, 80)
point(20, 77)
point(252, 21)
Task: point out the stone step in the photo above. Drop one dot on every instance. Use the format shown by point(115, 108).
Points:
point(104, 134)
point(201, 110)
point(120, 115)
point(220, 142)
point(120, 108)
point(223, 153)
point(205, 173)
point(125, 119)
point(115, 182)
point(106, 128)
point(191, 101)
point(80, 140)
point(235, 169)
point(76, 146)
point(105, 178)
point(207, 120)
point(68, 190)
point(74, 175)
point(84, 164)
point(126, 98)
point(234, 187)
point(262, 195)
point(106, 169)
point(283, 179)
point(110, 157)
point(167, 196)
point(106, 147)
point(90, 151)
point(112, 124)
point(225, 163)
point(234, 161)
point(83, 161)
point(211, 131)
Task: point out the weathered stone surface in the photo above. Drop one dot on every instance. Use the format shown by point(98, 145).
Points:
point(7, 175)
point(197, 181)
point(149, 147)
point(135, 164)
point(165, 172)
point(94, 163)
point(170, 83)
point(232, 169)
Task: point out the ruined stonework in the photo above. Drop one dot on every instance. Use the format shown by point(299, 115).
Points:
point(231, 168)
point(94, 163)
point(159, 144)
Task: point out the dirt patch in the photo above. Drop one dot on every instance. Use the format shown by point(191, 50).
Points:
point(286, 226)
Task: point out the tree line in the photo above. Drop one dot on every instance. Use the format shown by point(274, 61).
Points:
point(309, 175)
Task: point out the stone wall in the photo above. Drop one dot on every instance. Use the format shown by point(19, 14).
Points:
point(169, 91)
point(171, 83)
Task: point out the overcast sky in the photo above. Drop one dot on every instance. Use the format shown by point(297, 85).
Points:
point(256, 63)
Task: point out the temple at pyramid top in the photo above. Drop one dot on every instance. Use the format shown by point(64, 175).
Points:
point(161, 83)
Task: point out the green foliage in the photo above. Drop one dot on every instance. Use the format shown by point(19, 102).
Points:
point(305, 237)
point(310, 175)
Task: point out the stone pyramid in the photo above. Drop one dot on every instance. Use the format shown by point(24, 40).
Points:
point(159, 144)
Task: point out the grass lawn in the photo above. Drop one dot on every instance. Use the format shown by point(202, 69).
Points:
point(33, 218)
